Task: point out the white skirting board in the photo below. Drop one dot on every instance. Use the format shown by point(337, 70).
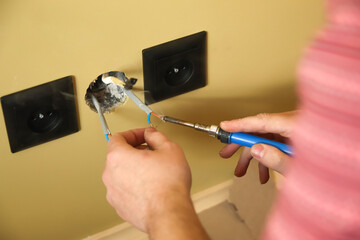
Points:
point(202, 200)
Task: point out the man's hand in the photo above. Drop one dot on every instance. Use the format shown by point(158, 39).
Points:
point(276, 126)
point(149, 185)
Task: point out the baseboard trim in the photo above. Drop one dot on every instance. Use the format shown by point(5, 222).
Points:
point(212, 196)
point(202, 200)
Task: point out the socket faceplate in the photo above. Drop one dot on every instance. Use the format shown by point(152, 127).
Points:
point(175, 67)
point(40, 114)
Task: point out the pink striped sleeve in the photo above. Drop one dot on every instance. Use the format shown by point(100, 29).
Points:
point(321, 195)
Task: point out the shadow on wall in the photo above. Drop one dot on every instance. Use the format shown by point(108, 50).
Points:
point(213, 110)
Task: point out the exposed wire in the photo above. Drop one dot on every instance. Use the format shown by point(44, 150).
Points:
point(149, 117)
point(156, 115)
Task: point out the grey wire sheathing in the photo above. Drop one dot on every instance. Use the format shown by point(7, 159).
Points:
point(137, 101)
point(101, 116)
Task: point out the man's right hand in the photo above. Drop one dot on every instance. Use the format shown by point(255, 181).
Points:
point(276, 125)
point(148, 183)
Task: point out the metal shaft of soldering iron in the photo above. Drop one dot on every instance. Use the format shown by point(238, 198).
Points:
point(212, 130)
point(177, 121)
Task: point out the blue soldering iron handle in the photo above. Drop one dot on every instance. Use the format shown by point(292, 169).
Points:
point(248, 140)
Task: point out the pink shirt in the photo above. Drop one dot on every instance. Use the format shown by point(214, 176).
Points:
point(320, 198)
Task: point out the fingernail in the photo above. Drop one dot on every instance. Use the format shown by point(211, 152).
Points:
point(150, 129)
point(223, 124)
point(257, 151)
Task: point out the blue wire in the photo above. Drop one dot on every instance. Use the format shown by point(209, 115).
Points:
point(148, 118)
point(107, 137)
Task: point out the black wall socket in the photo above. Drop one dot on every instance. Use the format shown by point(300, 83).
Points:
point(175, 67)
point(40, 114)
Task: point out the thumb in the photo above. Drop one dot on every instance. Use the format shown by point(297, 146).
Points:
point(154, 138)
point(271, 157)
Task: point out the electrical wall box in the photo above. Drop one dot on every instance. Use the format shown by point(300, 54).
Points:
point(40, 114)
point(175, 67)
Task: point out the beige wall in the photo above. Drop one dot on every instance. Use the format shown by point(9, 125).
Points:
point(54, 191)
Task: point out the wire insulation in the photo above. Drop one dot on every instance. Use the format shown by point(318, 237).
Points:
point(148, 118)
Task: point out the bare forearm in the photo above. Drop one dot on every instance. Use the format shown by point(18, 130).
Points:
point(177, 221)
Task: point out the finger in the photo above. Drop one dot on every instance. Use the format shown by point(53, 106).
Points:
point(280, 123)
point(271, 157)
point(229, 150)
point(154, 138)
point(263, 173)
point(243, 162)
point(128, 139)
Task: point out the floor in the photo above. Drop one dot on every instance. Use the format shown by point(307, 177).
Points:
point(243, 215)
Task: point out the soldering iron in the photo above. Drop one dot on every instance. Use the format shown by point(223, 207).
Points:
point(240, 138)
